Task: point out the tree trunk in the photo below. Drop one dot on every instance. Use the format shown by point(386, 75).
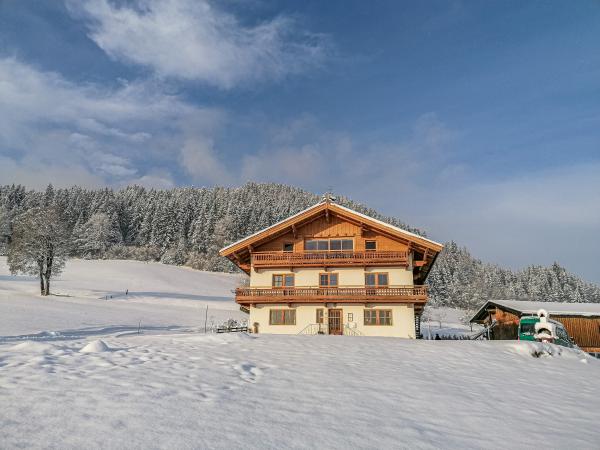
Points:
point(48, 272)
point(47, 291)
point(41, 283)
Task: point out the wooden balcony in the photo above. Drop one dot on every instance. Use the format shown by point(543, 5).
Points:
point(328, 259)
point(392, 294)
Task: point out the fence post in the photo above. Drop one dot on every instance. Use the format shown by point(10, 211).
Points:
point(205, 318)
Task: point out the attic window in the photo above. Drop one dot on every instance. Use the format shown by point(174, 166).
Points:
point(288, 247)
point(370, 245)
point(328, 244)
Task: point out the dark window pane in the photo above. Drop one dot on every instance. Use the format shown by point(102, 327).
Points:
point(370, 279)
point(323, 245)
point(289, 280)
point(288, 247)
point(371, 245)
point(276, 317)
point(333, 279)
point(324, 280)
point(347, 244)
point(277, 280)
point(310, 245)
point(335, 244)
point(382, 279)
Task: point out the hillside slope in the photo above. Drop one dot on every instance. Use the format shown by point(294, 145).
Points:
point(90, 298)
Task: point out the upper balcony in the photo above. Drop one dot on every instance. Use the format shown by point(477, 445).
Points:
point(358, 294)
point(329, 259)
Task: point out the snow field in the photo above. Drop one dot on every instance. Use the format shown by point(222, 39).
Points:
point(160, 298)
point(75, 373)
point(223, 391)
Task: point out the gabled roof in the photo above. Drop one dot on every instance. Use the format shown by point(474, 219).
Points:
point(522, 307)
point(315, 210)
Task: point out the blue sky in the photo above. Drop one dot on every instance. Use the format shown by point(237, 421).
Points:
point(476, 121)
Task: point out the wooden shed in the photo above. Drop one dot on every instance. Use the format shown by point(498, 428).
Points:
point(581, 320)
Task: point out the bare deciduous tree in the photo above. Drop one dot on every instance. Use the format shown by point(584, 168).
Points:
point(39, 245)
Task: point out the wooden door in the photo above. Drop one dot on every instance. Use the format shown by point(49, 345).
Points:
point(335, 321)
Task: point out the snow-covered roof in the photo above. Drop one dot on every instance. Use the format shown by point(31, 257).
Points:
point(553, 308)
point(268, 228)
point(334, 205)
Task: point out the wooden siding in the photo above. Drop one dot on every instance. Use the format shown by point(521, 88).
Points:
point(585, 331)
point(336, 227)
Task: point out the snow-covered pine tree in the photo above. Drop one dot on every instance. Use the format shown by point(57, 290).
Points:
point(183, 224)
point(98, 234)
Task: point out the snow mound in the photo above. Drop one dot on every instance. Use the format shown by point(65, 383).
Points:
point(97, 346)
point(31, 346)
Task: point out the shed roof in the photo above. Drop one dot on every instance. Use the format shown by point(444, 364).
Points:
point(553, 308)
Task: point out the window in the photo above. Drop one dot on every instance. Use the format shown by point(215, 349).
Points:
point(328, 245)
point(288, 247)
point(320, 315)
point(283, 280)
point(328, 280)
point(350, 317)
point(282, 317)
point(370, 245)
point(378, 316)
point(376, 279)
point(316, 244)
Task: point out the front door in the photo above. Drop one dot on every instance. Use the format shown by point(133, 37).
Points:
point(335, 321)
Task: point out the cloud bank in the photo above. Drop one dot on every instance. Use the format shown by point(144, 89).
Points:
point(55, 130)
point(196, 40)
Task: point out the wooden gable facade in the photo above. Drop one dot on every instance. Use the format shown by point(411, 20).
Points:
point(286, 240)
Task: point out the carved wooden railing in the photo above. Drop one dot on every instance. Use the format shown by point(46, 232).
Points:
point(340, 294)
point(338, 258)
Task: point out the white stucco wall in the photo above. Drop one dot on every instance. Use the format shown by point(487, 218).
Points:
point(348, 276)
point(403, 319)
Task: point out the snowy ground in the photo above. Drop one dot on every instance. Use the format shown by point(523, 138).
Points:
point(160, 297)
point(446, 322)
point(176, 389)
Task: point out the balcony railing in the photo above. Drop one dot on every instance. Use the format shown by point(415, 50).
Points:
point(337, 258)
point(341, 294)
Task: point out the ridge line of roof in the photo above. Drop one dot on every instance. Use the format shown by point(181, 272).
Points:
point(385, 224)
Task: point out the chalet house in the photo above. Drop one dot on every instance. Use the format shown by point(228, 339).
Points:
point(581, 320)
point(332, 270)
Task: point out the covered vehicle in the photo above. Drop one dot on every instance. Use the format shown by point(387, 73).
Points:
point(542, 329)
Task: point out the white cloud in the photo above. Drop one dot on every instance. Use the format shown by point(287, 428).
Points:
point(196, 40)
point(103, 134)
point(199, 159)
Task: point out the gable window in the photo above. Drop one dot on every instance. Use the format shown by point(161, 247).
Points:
point(370, 245)
point(376, 279)
point(288, 247)
point(311, 245)
point(283, 280)
point(282, 317)
point(328, 279)
point(316, 245)
point(320, 315)
point(378, 317)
